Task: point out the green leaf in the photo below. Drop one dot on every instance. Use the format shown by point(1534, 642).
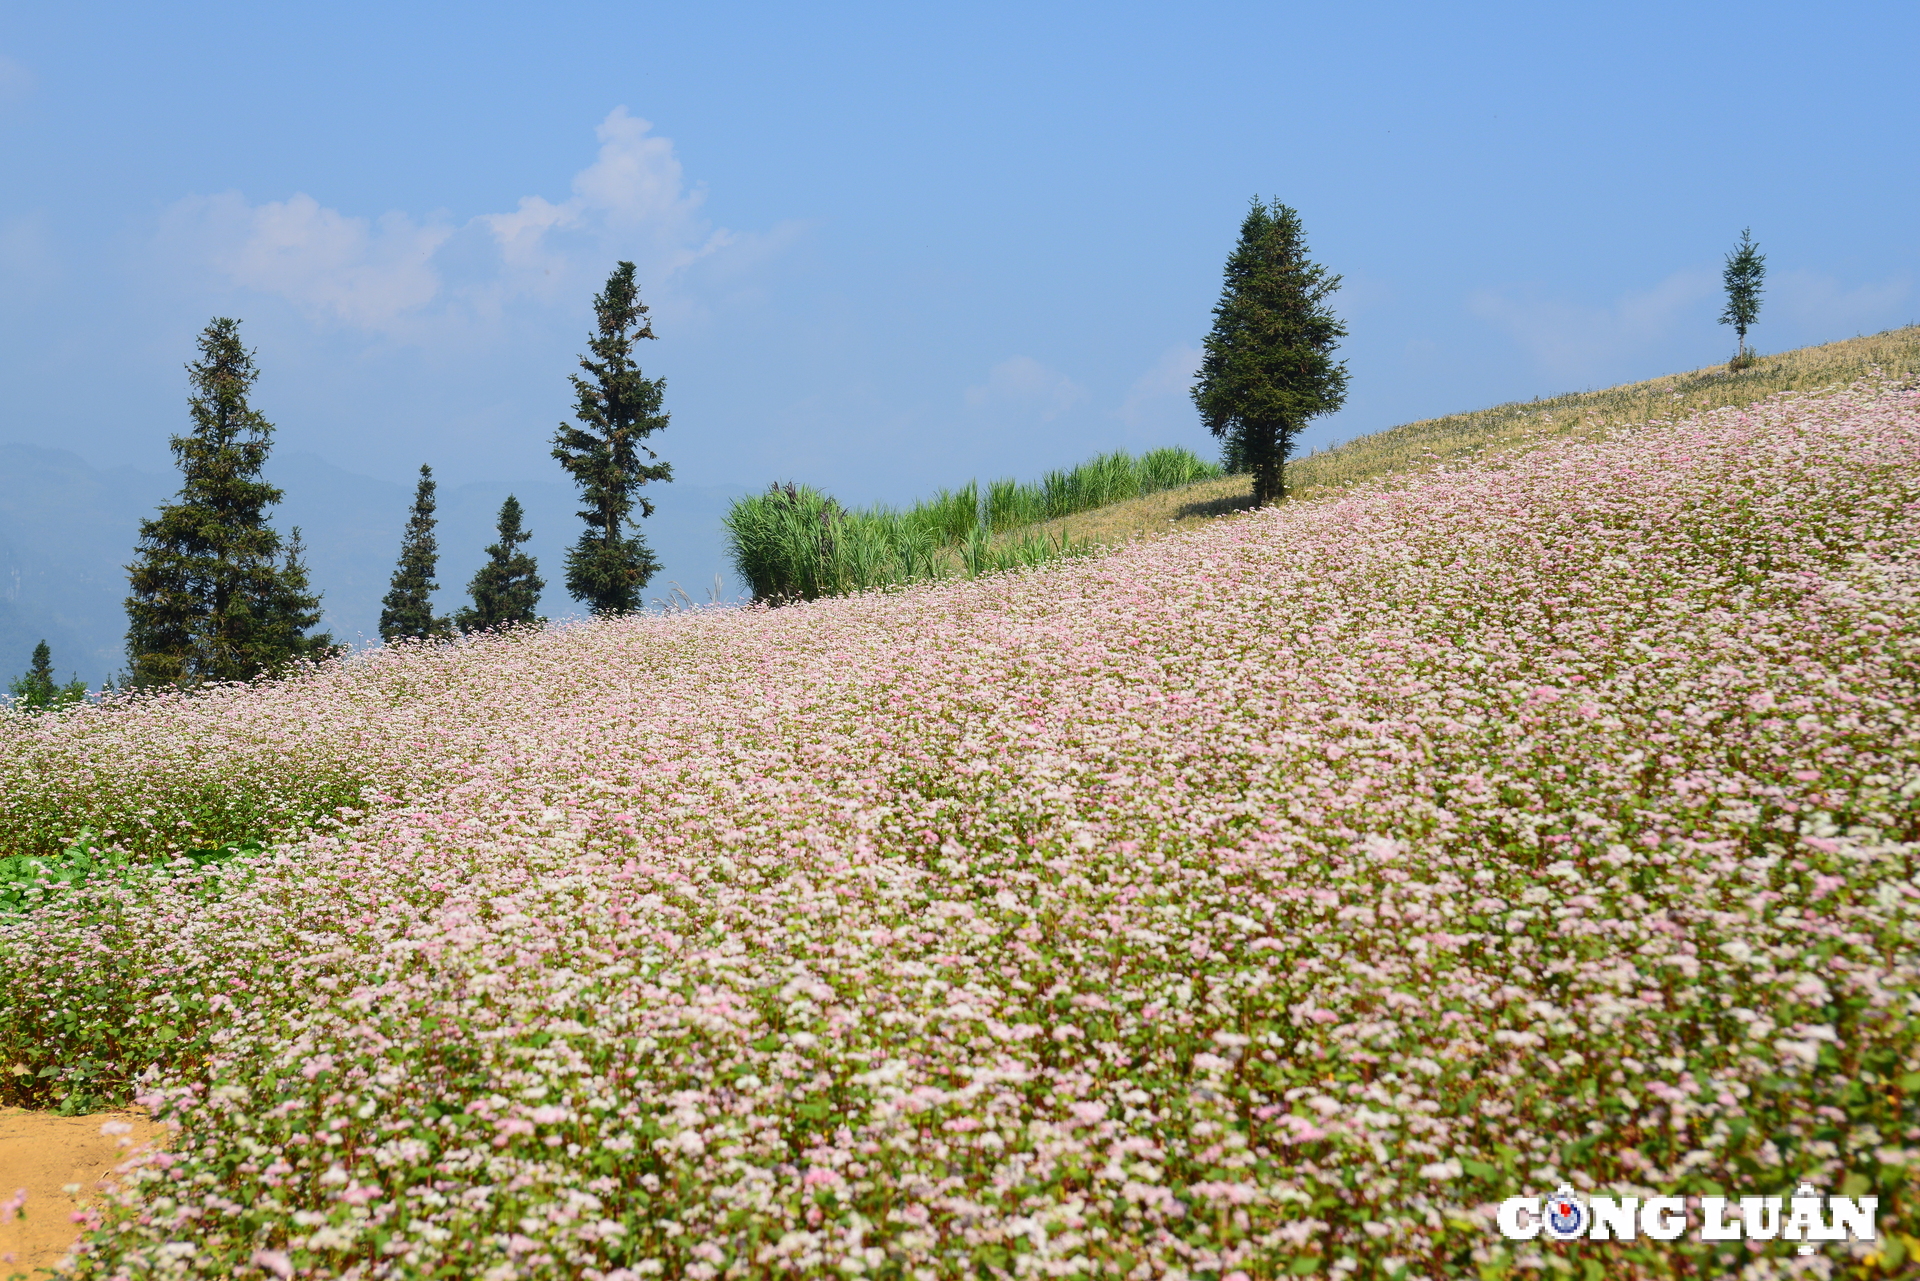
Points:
point(992, 1256)
point(1910, 1082)
point(1479, 1169)
point(1303, 1264)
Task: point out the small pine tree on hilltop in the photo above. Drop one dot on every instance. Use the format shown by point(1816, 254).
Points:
point(1746, 269)
point(209, 602)
point(617, 408)
point(1269, 365)
point(36, 691)
point(506, 591)
point(407, 610)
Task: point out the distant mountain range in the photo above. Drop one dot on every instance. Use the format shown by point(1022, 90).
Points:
point(68, 529)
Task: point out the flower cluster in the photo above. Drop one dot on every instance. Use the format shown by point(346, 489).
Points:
point(1272, 899)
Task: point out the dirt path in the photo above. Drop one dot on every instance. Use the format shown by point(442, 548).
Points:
point(60, 1161)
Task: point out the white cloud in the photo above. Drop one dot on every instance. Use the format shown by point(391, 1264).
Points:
point(1165, 390)
point(1574, 342)
point(395, 274)
point(1589, 344)
point(1023, 383)
point(1814, 303)
point(27, 257)
point(17, 81)
point(634, 190)
point(362, 272)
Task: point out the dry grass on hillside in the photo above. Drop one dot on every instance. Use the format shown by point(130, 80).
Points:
point(1417, 446)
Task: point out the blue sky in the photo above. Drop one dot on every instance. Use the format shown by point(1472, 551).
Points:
point(889, 247)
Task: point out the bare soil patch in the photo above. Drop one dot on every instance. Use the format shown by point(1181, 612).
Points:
point(61, 1162)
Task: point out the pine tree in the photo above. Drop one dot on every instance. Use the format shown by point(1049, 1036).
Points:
point(1269, 363)
point(506, 591)
point(616, 408)
point(38, 682)
point(36, 691)
point(1746, 269)
point(408, 607)
point(292, 610)
point(209, 602)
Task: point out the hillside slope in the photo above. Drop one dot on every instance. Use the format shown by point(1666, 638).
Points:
point(1895, 355)
point(1269, 899)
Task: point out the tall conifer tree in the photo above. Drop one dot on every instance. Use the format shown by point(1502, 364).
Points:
point(1269, 366)
point(209, 602)
point(1746, 269)
point(407, 610)
point(617, 407)
point(506, 591)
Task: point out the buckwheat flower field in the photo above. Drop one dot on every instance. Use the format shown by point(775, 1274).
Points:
point(1267, 900)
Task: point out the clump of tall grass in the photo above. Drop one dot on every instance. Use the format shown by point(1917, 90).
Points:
point(796, 543)
point(785, 541)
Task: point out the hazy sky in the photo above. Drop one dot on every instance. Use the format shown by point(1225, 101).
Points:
point(889, 247)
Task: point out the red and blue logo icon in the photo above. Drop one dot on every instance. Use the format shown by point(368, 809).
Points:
point(1565, 1214)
